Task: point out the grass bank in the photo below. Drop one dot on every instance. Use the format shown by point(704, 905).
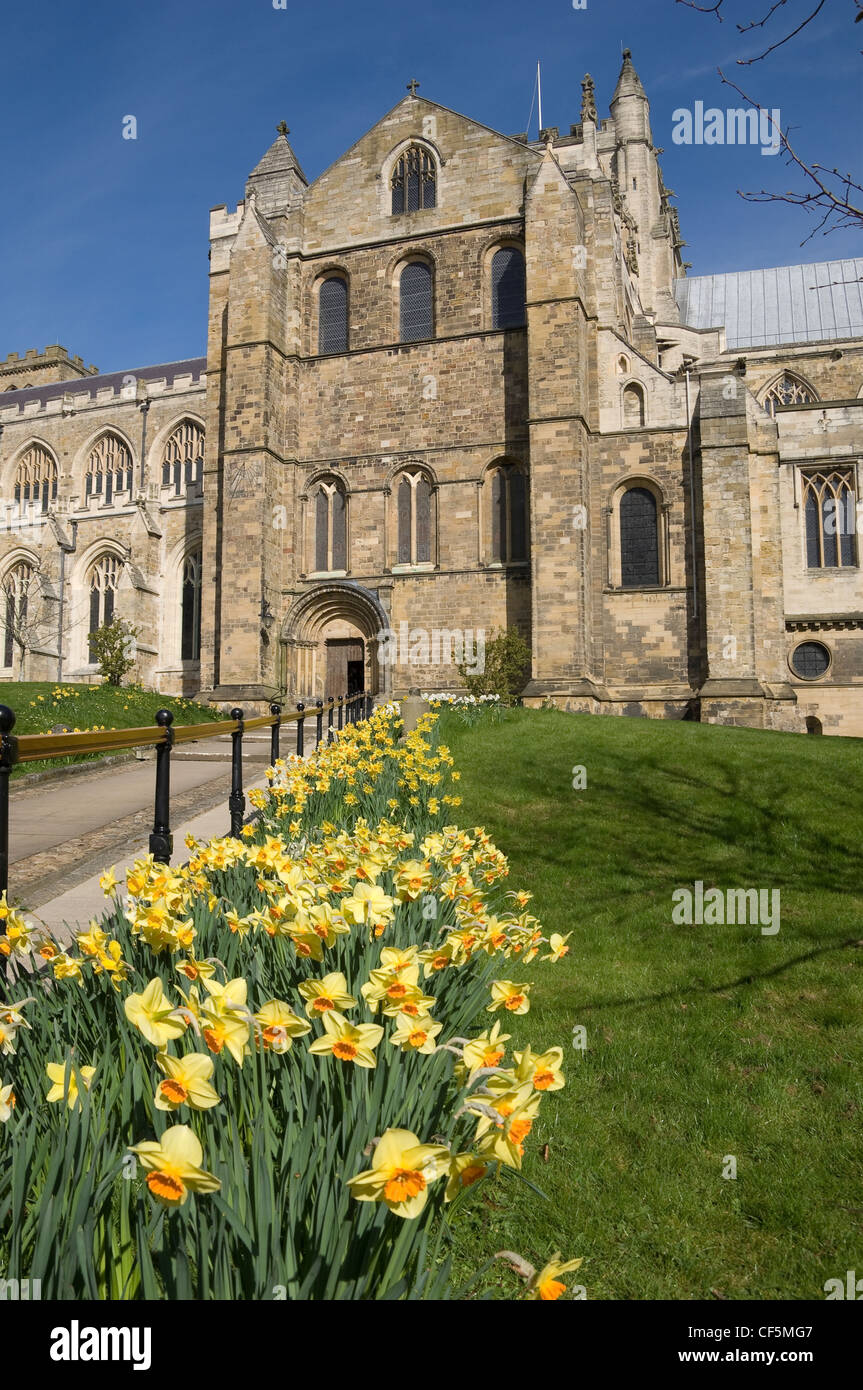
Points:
point(703, 1042)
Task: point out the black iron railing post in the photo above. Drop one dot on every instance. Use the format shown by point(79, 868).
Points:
point(161, 840)
point(300, 723)
point(8, 759)
point(330, 720)
point(275, 710)
point(341, 712)
point(319, 732)
point(236, 801)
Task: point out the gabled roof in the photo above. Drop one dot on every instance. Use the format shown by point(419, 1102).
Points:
point(784, 304)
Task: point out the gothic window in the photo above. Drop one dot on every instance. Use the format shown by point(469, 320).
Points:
point(109, 469)
point(633, 406)
point(639, 539)
point(508, 515)
point(36, 478)
point(329, 514)
point(414, 181)
point(830, 514)
point(507, 288)
point(413, 504)
point(416, 312)
point(183, 458)
point(788, 390)
point(333, 315)
point(16, 590)
point(104, 578)
point(190, 624)
point(810, 660)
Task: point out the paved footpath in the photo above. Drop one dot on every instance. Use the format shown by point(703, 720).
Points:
point(63, 834)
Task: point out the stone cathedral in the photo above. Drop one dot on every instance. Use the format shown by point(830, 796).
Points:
point(461, 382)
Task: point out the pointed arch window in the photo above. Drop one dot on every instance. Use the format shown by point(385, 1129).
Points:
point(830, 513)
point(633, 406)
point(414, 508)
point(414, 180)
point(183, 458)
point(508, 515)
point(333, 315)
point(639, 539)
point(109, 469)
point(16, 593)
point(788, 390)
point(507, 288)
point(104, 579)
point(330, 538)
point(190, 608)
point(36, 478)
point(416, 302)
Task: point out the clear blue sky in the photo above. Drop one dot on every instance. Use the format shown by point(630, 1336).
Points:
point(103, 241)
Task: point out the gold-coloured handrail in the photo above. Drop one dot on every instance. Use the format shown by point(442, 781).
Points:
point(31, 747)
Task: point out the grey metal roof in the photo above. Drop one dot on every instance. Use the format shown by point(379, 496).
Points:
point(193, 366)
point(784, 304)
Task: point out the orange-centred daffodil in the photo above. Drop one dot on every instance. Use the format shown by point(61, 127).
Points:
point(546, 1283)
point(543, 1071)
point(509, 996)
point(154, 1014)
point(187, 1082)
point(401, 1171)
point(65, 1086)
point(7, 1103)
point(348, 1042)
point(279, 1025)
point(329, 993)
point(173, 1166)
point(415, 1034)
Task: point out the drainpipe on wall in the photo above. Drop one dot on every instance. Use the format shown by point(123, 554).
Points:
point(143, 400)
point(65, 549)
point(691, 500)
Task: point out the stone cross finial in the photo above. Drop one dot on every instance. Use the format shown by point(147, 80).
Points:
point(282, 129)
point(588, 99)
point(412, 86)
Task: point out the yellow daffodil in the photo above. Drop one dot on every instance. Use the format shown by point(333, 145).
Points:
point(279, 1025)
point(464, 1171)
point(187, 1082)
point(509, 996)
point(370, 906)
point(348, 1042)
point(486, 1050)
point(415, 1034)
point(558, 946)
point(154, 1014)
point(66, 1088)
point(329, 993)
point(401, 1171)
point(546, 1283)
point(7, 1102)
point(173, 1166)
point(107, 882)
point(543, 1071)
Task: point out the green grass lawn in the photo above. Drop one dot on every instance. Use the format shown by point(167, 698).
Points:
point(702, 1041)
point(40, 705)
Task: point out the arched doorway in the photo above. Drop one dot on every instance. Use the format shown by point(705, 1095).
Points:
point(330, 642)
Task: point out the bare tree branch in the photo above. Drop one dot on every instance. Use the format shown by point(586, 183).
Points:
point(747, 62)
point(704, 9)
point(832, 191)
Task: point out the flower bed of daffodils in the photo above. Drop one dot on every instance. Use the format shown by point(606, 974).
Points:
point(280, 1069)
